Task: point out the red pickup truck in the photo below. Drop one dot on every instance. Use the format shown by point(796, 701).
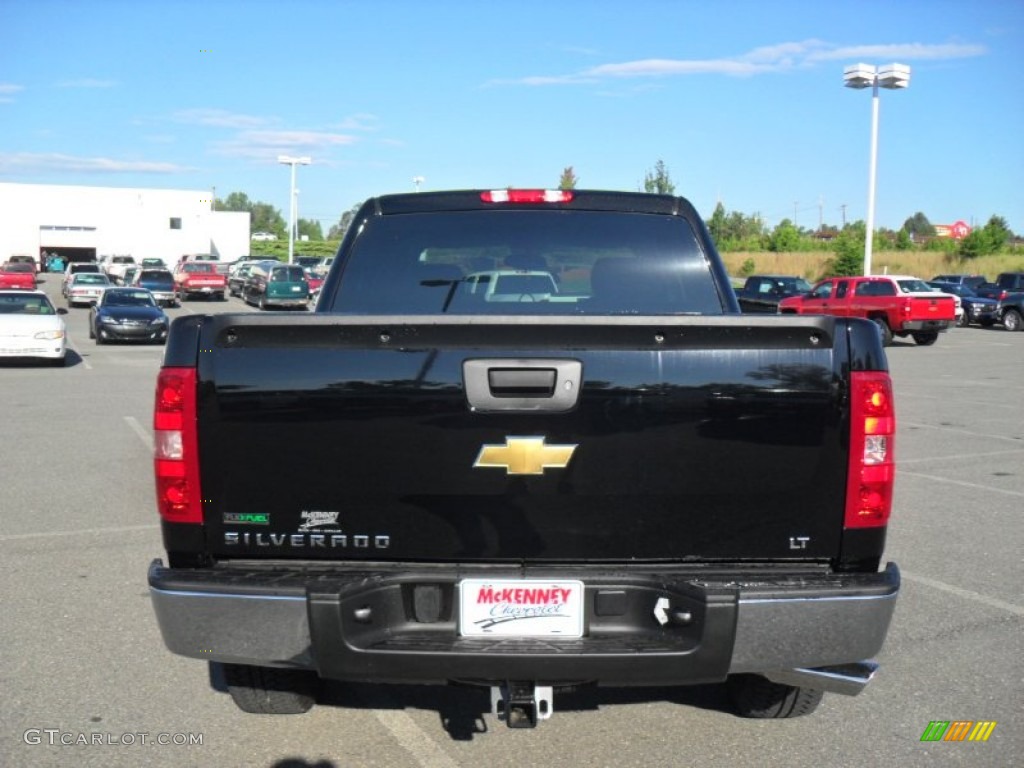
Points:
point(199, 278)
point(899, 305)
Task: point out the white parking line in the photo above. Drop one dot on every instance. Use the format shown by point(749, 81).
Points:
point(144, 436)
point(423, 749)
point(55, 534)
point(958, 457)
point(964, 593)
point(963, 483)
point(986, 435)
point(73, 348)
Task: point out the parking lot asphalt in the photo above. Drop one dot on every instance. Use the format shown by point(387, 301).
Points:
point(82, 656)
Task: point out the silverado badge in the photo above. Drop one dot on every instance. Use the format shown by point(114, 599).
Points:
point(525, 456)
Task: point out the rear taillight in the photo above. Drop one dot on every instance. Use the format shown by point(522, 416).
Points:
point(175, 453)
point(872, 469)
point(527, 196)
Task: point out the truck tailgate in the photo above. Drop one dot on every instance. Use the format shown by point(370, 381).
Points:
point(931, 308)
point(331, 437)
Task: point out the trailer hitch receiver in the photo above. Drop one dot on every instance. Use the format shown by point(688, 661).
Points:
point(522, 704)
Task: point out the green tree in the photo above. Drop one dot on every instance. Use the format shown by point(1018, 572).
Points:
point(569, 178)
point(263, 217)
point(987, 240)
point(718, 224)
point(236, 201)
point(310, 228)
point(266, 218)
point(997, 233)
point(849, 248)
point(659, 181)
point(974, 245)
point(919, 226)
point(337, 231)
point(903, 241)
point(785, 238)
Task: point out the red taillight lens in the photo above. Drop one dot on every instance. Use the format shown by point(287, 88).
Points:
point(176, 457)
point(527, 196)
point(872, 469)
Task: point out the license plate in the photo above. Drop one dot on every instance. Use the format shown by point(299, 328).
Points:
point(296, 288)
point(520, 608)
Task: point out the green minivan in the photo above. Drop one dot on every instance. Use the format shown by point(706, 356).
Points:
point(272, 284)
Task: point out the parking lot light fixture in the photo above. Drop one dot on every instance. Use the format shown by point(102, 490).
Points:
point(292, 161)
point(859, 76)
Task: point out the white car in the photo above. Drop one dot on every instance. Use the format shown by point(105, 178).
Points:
point(30, 326)
point(263, 236)
point(87, 287)
point(512, 285)
point(115, 266)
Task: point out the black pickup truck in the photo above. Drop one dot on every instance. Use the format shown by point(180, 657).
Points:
point(600, 473)
point(1008, 290)
point(762, 293)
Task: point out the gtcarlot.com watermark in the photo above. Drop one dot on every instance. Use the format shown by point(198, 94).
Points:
point(54, 737)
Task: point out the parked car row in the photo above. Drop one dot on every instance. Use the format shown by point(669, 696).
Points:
point(977, 310)
point(885, 299)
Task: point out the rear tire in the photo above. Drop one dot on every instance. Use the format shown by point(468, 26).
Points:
point(270, 691)
point(925, 339)
point(1012, 320)
point(757, 697)
point(884, 330)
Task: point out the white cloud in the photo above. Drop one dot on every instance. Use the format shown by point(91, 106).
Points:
point(40, 162)
point(906, 51)
point(220, 118)
point(7, 90)
point(772, 58)
point(361, 121)
point(663, 67)
point(266, 145)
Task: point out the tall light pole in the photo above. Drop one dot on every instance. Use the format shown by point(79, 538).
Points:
point(893, 77)
point(292, 161)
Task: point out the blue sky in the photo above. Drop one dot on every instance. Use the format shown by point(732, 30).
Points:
point(743, 101)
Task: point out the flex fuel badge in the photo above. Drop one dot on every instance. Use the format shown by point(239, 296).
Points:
point(247, 518)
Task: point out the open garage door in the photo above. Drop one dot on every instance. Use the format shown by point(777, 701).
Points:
point(69, 242)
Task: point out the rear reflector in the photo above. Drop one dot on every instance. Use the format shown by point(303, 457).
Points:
point(872, 468)
point(527, 196)
point(175, 452)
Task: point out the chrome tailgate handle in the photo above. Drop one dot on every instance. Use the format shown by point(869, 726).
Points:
point(543, 385)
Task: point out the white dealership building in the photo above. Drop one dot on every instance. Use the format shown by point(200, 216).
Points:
point(84, 223)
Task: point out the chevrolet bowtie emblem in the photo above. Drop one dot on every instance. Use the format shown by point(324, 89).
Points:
point(525, 456)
